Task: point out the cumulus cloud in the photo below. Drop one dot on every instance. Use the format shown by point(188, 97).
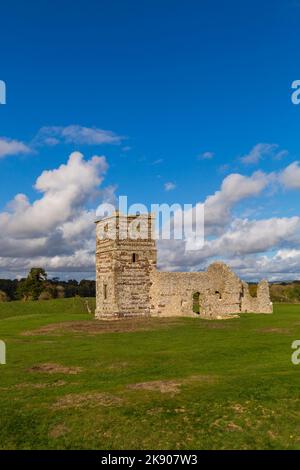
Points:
point(283, 264)
point(235, 187)
point(255, 236)
point(243, 246)
point(247, 245)
point(12, 147)
point(263, 150)
point(75, 134)
point(290, 176)
point(65, 190)
point(57, 229)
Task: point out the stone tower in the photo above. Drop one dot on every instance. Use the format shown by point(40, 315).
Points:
point(125, 261)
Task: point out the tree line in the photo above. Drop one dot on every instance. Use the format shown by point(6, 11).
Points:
point(37, 286)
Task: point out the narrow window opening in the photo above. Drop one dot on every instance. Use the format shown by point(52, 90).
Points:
point(134, 257)
point(218, 294)
point(196, 302)
point(105, 291)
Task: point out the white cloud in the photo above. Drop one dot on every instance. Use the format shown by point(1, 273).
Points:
point(12, 147)
point(65, 190)
point(206, 156)
point(235, 187)
point(290, 176)
point(248, 259)
point(75, 134)
point(169, 186)
point(263, 150)
point(247, 245)
point(255, 236)
point(284, 264)
point(55, 230)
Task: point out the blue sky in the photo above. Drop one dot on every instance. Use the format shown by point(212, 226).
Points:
point(185, 89)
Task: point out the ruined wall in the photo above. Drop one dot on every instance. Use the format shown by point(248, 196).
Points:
point(259, 304)
point(128, 283)
point(219, 288)
point(172, 293)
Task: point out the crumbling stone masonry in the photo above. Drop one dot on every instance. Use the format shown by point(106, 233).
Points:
point(129, 285)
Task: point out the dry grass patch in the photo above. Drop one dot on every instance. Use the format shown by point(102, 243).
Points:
point(239, 409)
point(170, 386)
point(59, 383)
point(275, 330)
point(51, 368)
point(233, 427)
point(162, 386)
point(58, 431)
point(95, 327)
point(77, 400)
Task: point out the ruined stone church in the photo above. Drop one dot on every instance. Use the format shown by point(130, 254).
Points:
point(129, 284)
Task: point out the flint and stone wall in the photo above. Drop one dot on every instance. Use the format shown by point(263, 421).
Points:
point(124, 268)
point(128, 283)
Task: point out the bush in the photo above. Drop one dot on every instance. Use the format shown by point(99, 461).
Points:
point(3, 296)
point(45, 295)
point(60, 292)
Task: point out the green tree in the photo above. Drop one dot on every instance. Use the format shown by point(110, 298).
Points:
point(31, 287)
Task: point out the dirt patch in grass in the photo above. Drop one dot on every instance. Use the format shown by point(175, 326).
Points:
point(51, 368)
point(95, 327)
point(36, 386)
point(170, 386)
point(59, 383)
point(233, 427)
point(163, 386)
point(239, 409)
point(77, 400)
point(58, 431)
point(275, 330)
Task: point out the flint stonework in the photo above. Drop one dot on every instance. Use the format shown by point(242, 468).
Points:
point(129, 284)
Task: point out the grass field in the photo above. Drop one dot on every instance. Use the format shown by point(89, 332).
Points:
point(74, 383)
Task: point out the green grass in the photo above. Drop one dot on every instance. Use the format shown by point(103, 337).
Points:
point(233, 381)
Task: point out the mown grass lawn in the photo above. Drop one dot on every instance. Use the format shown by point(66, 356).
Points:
point(149, 384)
